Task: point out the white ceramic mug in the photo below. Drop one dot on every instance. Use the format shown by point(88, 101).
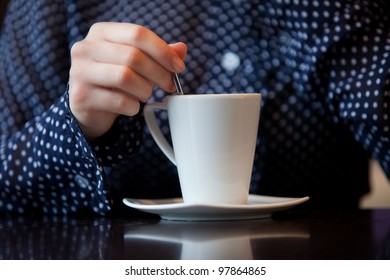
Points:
point(214, 140)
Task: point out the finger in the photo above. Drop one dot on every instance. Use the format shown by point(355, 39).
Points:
point(135, 60)
point(142, 38)
point(119, 77)
point(114, 101)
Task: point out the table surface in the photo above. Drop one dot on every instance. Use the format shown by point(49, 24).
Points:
point(364, 234)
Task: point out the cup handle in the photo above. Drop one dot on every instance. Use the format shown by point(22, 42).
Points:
point(150, 119)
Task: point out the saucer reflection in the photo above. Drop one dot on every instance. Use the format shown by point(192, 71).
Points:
point(250, 239)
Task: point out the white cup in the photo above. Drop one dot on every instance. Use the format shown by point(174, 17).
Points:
point(214, 140)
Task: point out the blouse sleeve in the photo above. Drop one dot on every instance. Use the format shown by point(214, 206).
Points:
point(46, 163)
point(359, 79)
point(48, 166)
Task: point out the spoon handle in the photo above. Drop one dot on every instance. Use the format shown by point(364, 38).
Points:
point(176, 81)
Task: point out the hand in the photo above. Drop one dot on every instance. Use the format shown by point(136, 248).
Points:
point(115, 68)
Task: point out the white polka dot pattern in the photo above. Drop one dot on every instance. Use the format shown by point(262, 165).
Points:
point(322, 67)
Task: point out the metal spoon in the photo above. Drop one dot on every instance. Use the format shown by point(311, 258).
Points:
point(176, 81)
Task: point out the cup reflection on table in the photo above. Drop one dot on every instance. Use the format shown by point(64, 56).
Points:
point(220, 240)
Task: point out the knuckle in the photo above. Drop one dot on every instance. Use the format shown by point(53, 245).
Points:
point(95, 28)
point(132, 57)
point(77, 49)
point(126, 105)
point(123, 75)
point(77, 94)
point(138, 33)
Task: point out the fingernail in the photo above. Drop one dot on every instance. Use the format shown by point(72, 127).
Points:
point(178, 64)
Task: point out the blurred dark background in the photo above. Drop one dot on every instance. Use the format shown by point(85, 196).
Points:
point(3, 7)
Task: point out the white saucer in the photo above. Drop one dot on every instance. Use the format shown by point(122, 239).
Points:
point(258, 206)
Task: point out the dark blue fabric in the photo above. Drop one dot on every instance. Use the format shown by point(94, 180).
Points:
point(321, 66)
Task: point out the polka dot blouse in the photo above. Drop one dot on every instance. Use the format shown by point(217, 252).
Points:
point(321, 66)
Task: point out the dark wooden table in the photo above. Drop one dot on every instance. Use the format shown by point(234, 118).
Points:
point(315, 235)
